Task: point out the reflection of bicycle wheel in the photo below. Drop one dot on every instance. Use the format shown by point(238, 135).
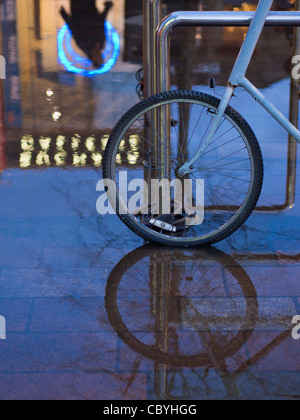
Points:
point(180, 307)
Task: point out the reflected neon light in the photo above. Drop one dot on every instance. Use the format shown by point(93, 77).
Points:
point(75, 63)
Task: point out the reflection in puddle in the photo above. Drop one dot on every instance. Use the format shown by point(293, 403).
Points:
point(183, 308)
point(87, 26)
point(183, 324)
point(63, 151)
point(194, 314)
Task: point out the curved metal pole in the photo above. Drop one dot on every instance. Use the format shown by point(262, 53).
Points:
point(294, 118)
point(213, 19)
point(223, 19)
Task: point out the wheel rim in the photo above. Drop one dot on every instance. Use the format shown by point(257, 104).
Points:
point(228, 168)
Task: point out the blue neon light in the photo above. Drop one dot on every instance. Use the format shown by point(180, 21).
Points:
point(70, 59)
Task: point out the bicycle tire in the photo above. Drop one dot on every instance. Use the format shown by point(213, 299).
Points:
point(234, 118)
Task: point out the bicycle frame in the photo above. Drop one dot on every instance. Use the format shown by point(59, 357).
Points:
point(238, 78)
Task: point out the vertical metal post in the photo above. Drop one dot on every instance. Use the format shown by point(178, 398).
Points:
point(152, 19)
point(158, 141)
point(152, 11)
point(294, 118)
point(2, 132)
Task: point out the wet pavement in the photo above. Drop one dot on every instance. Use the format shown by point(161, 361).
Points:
point(91, 311)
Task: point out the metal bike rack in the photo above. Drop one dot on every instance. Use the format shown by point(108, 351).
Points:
point(157, 62)
point(294, 118)
point(215, 19)
point(152, 19)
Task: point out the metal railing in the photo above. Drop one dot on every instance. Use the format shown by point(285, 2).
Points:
point(157, 63)
point(152, 19)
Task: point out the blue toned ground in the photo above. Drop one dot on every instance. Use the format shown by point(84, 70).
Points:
point(94, 313)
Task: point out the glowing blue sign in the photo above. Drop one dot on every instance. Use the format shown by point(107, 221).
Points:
point(75, 63)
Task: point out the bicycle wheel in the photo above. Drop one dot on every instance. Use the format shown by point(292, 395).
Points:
point(229, 174)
